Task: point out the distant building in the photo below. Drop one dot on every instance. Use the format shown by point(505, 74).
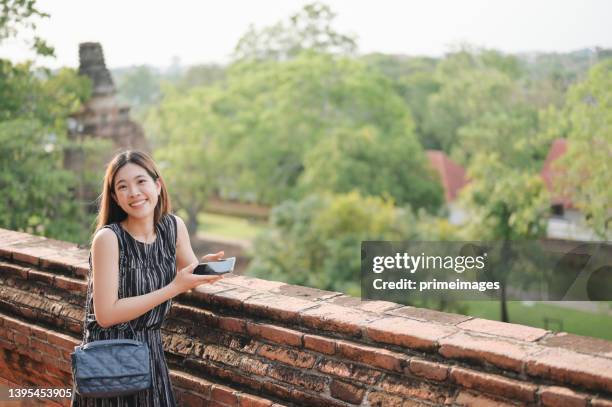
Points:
point(453, 179)
point(102, 116)
point(566, 221)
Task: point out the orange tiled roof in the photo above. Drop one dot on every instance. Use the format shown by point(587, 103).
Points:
point(452, 175)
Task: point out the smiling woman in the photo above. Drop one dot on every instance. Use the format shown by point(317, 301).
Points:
point(135, 254)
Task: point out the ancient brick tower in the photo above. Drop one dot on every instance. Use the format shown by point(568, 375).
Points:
point(100, 118)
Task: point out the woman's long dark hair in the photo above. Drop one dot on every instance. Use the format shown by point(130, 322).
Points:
point(110, 211)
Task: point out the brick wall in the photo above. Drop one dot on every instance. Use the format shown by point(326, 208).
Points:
point(251, 342)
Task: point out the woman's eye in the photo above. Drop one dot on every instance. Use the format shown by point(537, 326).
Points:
point(141, 181)
point(121, 187)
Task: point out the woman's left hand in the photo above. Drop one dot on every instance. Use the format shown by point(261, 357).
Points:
point(213, 257)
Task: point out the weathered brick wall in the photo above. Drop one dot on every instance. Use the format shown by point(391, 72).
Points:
point(252, 342)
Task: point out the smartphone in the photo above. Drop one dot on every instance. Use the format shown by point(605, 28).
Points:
point(213, 268)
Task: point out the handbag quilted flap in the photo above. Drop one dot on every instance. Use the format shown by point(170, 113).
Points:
point(120, 359)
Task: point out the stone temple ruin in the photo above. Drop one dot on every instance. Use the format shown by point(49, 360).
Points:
point(100, 118)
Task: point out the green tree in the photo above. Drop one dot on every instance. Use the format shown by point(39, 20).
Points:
point(19, 15)
point(37, 193)
point(473, 84)
point(504, 204)
point(277, 113)
point(140, 87)
point(363, 159)
point(309, 29)
point(414, 79)
point(183, 132)
point(316, 241)
point(587, 124)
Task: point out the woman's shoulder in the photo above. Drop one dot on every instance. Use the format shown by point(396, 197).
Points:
point(104, 237)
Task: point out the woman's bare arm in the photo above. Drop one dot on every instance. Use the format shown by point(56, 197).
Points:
point(108, 308)
point(184, 251)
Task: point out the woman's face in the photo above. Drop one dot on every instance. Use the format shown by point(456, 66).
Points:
point(135, 191)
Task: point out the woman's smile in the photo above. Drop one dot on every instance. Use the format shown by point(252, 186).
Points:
point(138, 203)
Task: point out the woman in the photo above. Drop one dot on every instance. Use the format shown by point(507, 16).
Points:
point(135, 254)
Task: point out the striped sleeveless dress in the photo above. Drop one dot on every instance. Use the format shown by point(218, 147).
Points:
point(142, 268)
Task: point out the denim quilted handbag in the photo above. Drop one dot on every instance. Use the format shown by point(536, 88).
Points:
point(112, 367)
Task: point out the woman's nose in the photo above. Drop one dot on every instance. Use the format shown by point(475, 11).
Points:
point(134, 191)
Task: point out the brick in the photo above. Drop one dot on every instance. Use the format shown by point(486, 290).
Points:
point(346, 391)
point(320, 344)
point(75, 327)
point(409, 333)
point(309, 399)
point(305, 293)
point(12, 238)
point(16, 325)
point(28, 313)
point(288, 356)
point(62, 341)
point(241, 344)
point(31, 252)
point(276, 334)
point(193, 315)
point(553, 396)
point(333, 318)
point(36, 355)
point(247, 400)
point(599, 402)
point(493, 384)
point(429, 370)
point(253, 366)
point(224, 394)
point(297, 378)
point(64, 260)
point(406, 387)
point(252, 283)
point(279, 391)
point(514, 331)
point(414, 403)
point(190, 399)
point(42, 276)
point(39, 333)
point(365, 305)
point(566, 366)
point(499, 352)
point(21, 340)
point(14, 270)
point(276, 307)
point(428, 315)
point(468, 399)
point(349, 371)
point(72, 285)
point(44, 348)
point(232, 299)
point(377, 357)
point(581, 344)
point(180, 345)
point(380, 399)
point(81, 269)
point(221, 355)
point(231, 324)
point(240, 379)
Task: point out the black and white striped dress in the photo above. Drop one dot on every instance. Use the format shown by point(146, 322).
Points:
point(142, 268)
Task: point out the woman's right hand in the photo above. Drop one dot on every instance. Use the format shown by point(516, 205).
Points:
point(185, 280)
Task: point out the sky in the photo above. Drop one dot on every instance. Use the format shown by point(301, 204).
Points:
point(153, 32)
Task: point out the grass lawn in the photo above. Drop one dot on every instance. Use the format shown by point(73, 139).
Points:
point(574, 321)
point(229, 226)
